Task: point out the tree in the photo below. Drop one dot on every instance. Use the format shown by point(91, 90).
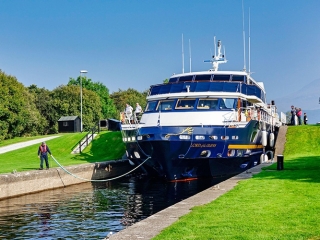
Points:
point(166, 81)
point(107, 105)
point(44, 103)
point(66, 102)
point(18, 113)
point(130, 96)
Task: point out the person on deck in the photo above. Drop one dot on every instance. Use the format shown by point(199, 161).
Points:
point(305, 118)
point(138, 111)
point(128, 112)
point(293, 115)
point(299, 113)
point(43, 155)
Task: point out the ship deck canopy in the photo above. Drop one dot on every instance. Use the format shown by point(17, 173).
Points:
point(210, 87)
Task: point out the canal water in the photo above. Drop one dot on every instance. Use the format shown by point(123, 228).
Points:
point(91, 210)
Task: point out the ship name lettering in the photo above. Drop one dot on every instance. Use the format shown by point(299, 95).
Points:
point(202, 145)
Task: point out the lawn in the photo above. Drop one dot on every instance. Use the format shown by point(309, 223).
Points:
point(271, 205)
point(106, 146)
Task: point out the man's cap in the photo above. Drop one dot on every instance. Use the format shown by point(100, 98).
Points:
point(43, 142)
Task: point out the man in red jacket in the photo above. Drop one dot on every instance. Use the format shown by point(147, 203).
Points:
point(43, 155)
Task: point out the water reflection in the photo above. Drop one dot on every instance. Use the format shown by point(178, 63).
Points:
point(90, 211)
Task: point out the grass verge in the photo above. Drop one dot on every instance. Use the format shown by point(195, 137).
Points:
point(271, 205)
point(106, 146)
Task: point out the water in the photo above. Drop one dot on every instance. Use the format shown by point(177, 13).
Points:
point(90, 211)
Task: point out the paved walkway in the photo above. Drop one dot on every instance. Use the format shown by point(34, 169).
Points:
point(15, 146)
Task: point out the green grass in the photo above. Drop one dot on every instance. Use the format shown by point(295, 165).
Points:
point(106, 146)
point(271, 205)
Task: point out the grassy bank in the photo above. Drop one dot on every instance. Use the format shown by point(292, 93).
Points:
point(106, 146)
point(272, 205)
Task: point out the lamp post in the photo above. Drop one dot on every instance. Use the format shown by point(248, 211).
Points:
point(81, 72)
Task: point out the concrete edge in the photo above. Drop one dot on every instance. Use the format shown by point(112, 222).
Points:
point(21, 183)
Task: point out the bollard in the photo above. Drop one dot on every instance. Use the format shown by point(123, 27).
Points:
point(279, 162)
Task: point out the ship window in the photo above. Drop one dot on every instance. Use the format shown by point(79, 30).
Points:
point(221, 77)
point(186, 78)
point(185, 103)
point(207, 104)
point(166, 105)
point(151, 106)
point(173, 80)
point(202, 78)
point(228, 103)
point(238, 78)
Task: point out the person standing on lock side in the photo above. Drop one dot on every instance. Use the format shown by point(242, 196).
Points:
point(43, 155)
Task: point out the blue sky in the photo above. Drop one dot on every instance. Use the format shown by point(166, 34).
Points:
point(137, 43)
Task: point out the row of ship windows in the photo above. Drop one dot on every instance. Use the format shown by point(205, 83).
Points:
point(183, 104)
point(208, 77)
point(183, 137)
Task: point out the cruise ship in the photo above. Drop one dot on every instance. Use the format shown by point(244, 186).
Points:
point(203, 124)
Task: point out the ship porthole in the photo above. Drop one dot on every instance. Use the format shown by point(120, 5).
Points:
point(205, 153)
point(239, 153)
point(231, 152)
point(136, 154)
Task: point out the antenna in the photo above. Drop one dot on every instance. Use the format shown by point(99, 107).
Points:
point(215, 46)
point(182, 56)
point(244, 40)
point(190, 53)
point(218, 58)
point(249, 45)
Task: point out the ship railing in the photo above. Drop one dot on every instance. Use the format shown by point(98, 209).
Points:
point(245, 114)
point(131, 119)
point(230, 119)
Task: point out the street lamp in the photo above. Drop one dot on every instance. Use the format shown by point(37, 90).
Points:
point(81, 72)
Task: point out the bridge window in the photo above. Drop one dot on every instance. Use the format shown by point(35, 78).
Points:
point(173, 80)
point(238, 78)
point(186, 79)
point(221, 77)
point(166, 105)
point(228, 103)
point(185, 103)
point(151, 106)
point(202, 78)
point(206, 104)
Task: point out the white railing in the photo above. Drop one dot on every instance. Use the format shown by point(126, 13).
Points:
point(245, 114)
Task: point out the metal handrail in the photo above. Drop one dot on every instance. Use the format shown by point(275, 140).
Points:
point(85, 139)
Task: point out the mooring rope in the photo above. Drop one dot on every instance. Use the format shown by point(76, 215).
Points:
point(98, 180)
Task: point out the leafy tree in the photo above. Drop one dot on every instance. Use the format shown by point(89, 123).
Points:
point(66, 101)
point(107, 105)
point(18, 113)
point(44, 103)
point(130, 96)
point(166, 80)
